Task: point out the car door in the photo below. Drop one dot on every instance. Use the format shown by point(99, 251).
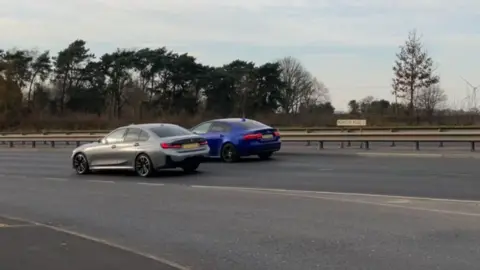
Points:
point(215, 137)
point(127, 149)
point(202, 130)
point(106, 153)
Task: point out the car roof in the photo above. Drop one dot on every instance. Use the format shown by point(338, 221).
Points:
point(231, 120)
point(150, 125)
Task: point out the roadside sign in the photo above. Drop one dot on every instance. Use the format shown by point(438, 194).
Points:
point(351, 122)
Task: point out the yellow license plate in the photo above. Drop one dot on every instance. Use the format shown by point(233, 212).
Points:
point(190, 146)
point(267, 136)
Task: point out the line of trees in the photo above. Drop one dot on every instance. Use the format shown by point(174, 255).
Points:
point(76, 89)
point(146, 84)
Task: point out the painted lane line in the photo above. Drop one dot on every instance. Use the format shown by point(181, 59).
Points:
point(151, 184)
point(104, 242)
point(6, 226)
point(56, 179)
point(312, 196)
point(352, 194)
point(18, 176)
point(101, 181)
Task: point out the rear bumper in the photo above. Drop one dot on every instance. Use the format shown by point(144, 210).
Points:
point(171, 163)
point(258, 148)
point(177, 159)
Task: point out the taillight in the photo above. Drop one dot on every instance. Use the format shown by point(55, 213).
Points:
point(256, 136)
point(203, 143)
point(170, 146)
point(276, 133)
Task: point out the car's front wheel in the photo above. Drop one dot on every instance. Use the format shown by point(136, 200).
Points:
point(80, 164)
point(144, 166)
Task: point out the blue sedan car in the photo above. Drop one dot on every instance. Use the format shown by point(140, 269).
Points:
point(233, 138)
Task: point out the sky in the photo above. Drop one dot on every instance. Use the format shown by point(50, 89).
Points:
point(349, 45)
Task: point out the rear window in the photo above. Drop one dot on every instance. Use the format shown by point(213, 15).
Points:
point(170, 131)
point(251, 124)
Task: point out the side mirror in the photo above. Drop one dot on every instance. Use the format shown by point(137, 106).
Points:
point(100, 141)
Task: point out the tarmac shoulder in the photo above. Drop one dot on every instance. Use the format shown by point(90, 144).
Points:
point(28, 246)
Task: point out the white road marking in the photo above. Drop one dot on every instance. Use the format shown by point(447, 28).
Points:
point(104, 242)
point(17, 225)
point(18, 176)
point(55, 179)
point(399, 201)
point(101, 181)
point(338, 193)
point(315, 195)
point(151, 184)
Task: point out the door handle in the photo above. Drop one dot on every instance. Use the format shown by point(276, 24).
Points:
point(221, 136)
point(114, 146)
point(136, 144)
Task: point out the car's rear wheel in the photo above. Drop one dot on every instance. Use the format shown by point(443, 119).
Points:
point(265, 156)
point(229, 153)
point(190, 166)
point(144, 166)
point(80, 164)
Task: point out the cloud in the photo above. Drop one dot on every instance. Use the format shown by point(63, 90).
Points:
point(322, 33)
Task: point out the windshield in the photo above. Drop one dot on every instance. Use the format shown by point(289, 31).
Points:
point(252, 124)
point(170, 131)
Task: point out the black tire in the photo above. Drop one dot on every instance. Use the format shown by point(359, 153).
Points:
point(80, 164)
point(191, 166)
point(144, 166)
point(229, 153)
point(265, 156)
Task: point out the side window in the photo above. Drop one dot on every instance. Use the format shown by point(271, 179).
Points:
point(202, 129)
point(220, 128)
point(143, 136)
point(132, 135)
point(116, 136)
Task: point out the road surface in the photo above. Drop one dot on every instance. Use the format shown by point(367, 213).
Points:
point(294, 212)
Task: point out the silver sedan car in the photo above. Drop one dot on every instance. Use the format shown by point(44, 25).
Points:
point(144, 148)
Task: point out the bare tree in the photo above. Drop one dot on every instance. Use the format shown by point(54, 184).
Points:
point(300, 87)
point(413, 70)
point(430, 99)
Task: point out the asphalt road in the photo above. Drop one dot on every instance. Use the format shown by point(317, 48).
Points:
point(209, 221)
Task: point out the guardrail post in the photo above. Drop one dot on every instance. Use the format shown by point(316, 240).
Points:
point(78, 143)
point(34, 144)
point(10, 144)
point(341, 145)
point(441, 144)
point(417, 146)
point(23, 142)
point(367, 145)
point(349, 143)
point(52, 143)
point(320, 145)
point(393, 144)
point(308, 143)
point(472, 146)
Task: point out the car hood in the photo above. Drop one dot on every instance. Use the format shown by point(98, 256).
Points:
point(85, 146)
